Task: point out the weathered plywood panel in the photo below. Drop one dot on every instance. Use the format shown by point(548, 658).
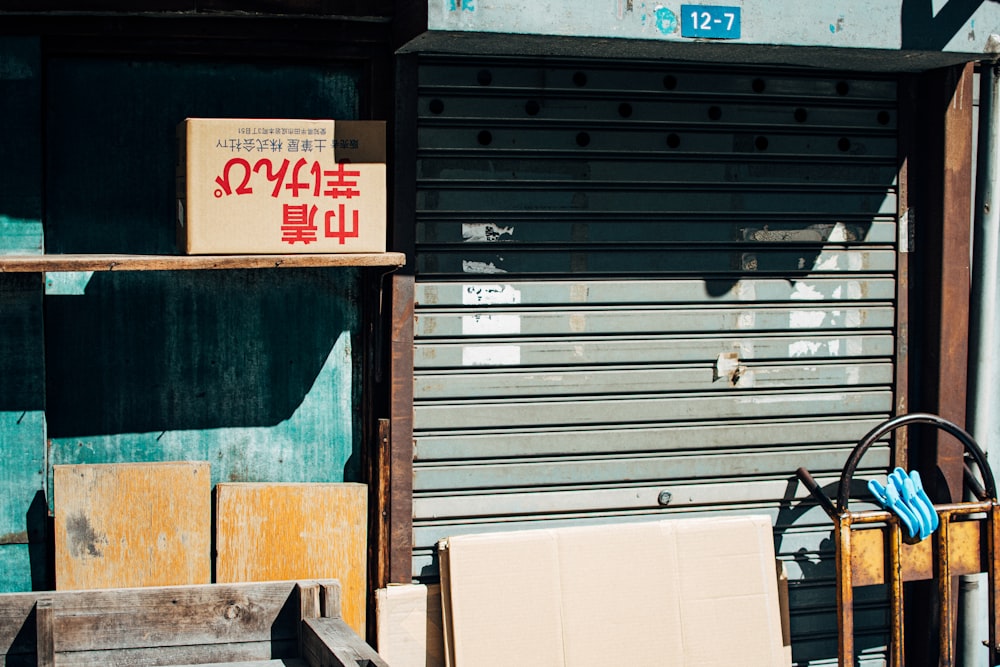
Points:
point(295, 531)
point(132, 524)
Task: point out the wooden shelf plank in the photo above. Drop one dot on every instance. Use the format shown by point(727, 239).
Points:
point(56, 263)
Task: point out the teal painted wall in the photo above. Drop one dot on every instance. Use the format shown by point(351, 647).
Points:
point(256, 371)
point(22, 369)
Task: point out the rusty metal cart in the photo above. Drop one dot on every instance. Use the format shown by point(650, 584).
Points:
point(871, 549)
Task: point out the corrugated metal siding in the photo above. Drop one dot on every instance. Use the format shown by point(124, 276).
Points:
point(647, 290)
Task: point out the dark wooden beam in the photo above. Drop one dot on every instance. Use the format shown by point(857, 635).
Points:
point(939, 186)
point(403, 239)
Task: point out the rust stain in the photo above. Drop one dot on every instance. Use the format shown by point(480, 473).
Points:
point(14, 538)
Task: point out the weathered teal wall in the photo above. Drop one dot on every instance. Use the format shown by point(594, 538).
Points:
point(22, 370)
point(256, 371)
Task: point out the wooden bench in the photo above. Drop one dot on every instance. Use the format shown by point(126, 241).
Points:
point(247, 625)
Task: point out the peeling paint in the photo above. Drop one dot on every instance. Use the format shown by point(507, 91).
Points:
point(486, 232)
point(839, 234)
point(992, 44)
point(490, 295)
point(746, 320)
point(726, 366)
point(792, 398)
point(804, 348)
point(490, 325)
point(68, 283)
point(746, 290)
point(577, 323)
point(491, 355)
point(579, 293)
point(804, 292)
point(806, 319)
point(666, 20)
point(480, 267)
point(855, 347)
point(829, 264)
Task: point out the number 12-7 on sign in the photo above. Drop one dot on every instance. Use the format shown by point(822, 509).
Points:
point(711, 21)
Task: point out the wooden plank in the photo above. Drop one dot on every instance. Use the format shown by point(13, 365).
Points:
point(223, 653)
point(285, 662)
point(267, 532)
point(44, 638)
point(77, 262)
point(329, 642)
point(329, 599)
point(132, 524)
point(17, 630)
point(140, 618)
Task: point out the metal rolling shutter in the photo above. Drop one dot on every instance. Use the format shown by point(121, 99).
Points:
point(646, 290)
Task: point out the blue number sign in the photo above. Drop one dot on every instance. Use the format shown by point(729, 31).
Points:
point(713, 21)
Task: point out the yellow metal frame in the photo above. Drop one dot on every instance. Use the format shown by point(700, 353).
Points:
point(871, 549)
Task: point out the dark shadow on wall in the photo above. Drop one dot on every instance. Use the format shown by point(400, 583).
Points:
point(158, 351)
point(22, 365)
point(871, 630)
point(111, 147)
point(924, 29)
point(134, 352)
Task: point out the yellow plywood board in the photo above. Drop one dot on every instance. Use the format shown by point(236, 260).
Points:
point(122, 525)
point(295, 531)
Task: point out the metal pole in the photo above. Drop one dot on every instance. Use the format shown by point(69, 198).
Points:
point(983, 397)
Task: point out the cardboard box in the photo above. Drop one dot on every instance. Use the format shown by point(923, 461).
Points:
point(249, 186)
point(408, 627)
point(692, 592)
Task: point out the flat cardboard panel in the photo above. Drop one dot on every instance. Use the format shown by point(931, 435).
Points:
point(132, 524)
point(604, 581)
point(281, 186)
point(693, 592)
point(409, 625)
point(509, 585)
point(273, 531)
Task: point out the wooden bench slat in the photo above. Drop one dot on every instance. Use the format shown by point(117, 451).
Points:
point(283, 662)
point(330, 642)
point(182, 655)
point(232, 625)
point(15, 609)
point(174, 615)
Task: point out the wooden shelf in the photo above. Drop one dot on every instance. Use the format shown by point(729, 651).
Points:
point(56, 263)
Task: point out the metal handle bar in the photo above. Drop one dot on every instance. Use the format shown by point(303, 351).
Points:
point(914, 418)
